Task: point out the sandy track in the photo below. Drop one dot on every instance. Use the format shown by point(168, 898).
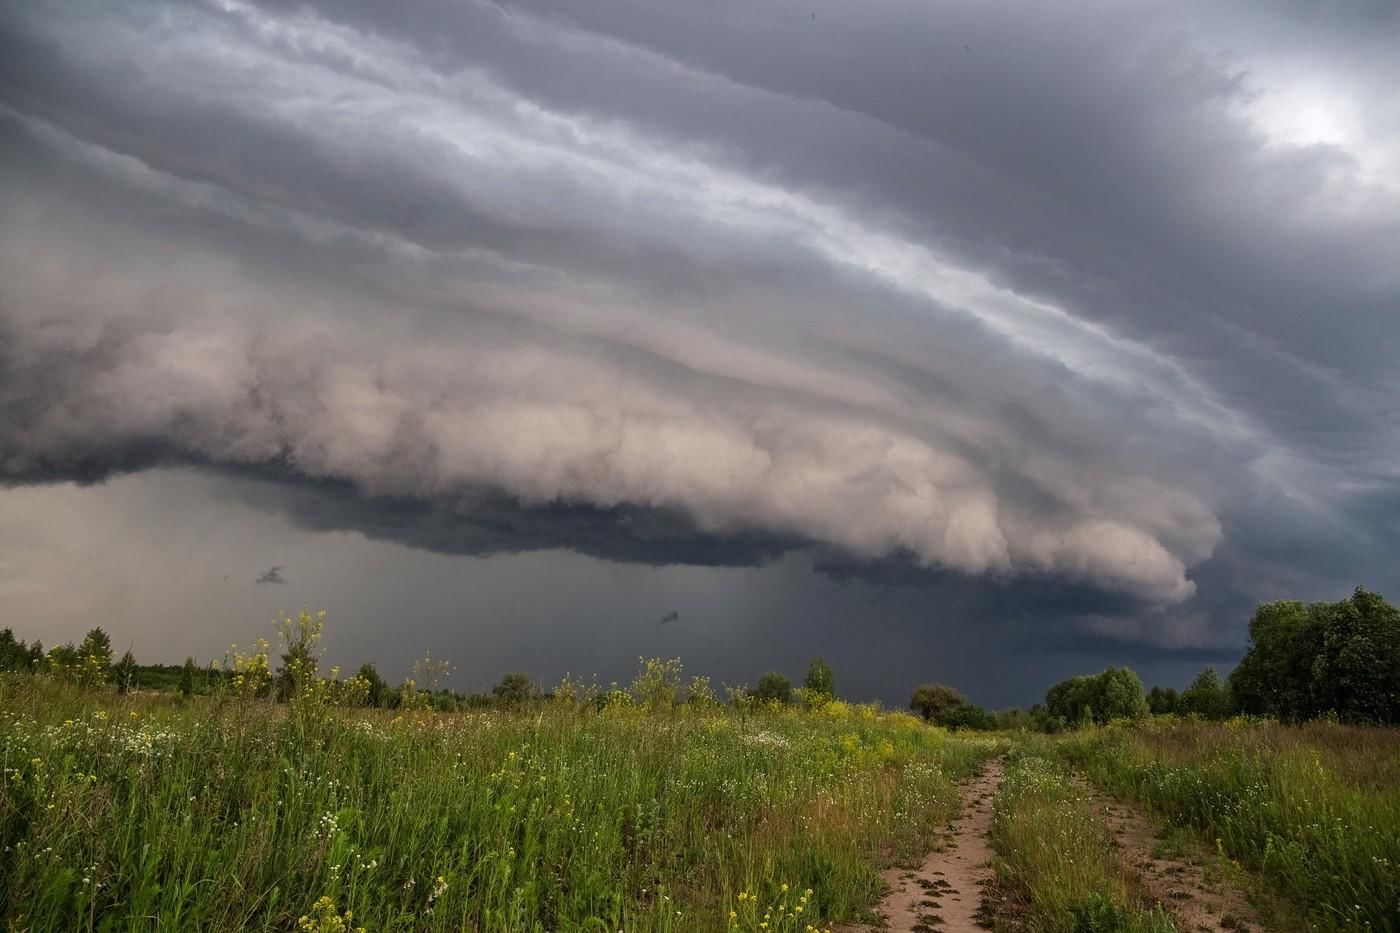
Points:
point(944, 895)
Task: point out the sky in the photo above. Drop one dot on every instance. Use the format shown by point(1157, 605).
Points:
point(983, 343)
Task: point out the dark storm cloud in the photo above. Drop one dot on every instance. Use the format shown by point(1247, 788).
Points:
point(485, 523)
point(1088, 313)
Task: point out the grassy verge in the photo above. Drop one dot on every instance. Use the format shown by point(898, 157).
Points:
point(1056, 857)
point(1314, 812)
point(131, 813)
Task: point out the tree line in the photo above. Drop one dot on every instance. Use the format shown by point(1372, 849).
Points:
point(249, 674)
point(1303, 661)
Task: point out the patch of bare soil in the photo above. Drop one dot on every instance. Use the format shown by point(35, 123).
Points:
point(1177, 874)
point(944, 895)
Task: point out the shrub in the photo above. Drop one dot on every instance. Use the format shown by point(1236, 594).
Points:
point(514, 689)
point(936, 702)
point(773, 688)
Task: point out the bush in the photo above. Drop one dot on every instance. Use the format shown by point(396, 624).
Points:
point(773, 688)
point(970, 716)
point(935, 702)
point(514, 689)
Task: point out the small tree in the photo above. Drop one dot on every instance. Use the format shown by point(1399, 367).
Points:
point(187, 678)
point(1162, 701)
point(125, 672)
point(64, 662)
point(972, 717)
point(1207, 697)
point(773, 688)
point(94, 658)
point(1114, 693)
point(514, 689)
point(820, 679)
point(936, 702)
point(378, 689)
point(1120, 695)
point(13, 656)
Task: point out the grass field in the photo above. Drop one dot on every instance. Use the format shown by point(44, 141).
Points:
point(146, 813)
point(1312, 811)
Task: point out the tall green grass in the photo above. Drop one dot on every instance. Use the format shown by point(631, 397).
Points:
point(1058, 855)
point(1314, 810)
point(138, 813)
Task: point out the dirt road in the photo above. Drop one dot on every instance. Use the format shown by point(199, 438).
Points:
point(944, 895)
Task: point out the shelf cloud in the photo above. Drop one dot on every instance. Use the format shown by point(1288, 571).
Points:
point(1020, 294)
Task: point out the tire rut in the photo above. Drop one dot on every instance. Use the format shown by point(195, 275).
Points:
point(944, 895)
point(1197, 902)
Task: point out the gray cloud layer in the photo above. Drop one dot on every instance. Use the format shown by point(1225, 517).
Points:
point(1105, 297)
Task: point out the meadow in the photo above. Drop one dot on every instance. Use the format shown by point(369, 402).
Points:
point(1309, 812)
point(149, 812)
point(292, 800)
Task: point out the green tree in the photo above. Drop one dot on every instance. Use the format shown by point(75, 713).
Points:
point(13, 655)
point(970, 716)
point(64, 661)
point(1162, 701)
point(125, 672)
point(1207, 696)
point(1356, 672)
point(820, 679)
point(378, 689)
point(1072, 700)
point(514, 689)
point(773, 688)
point(94, 658)
point(1114, 693)
point(1341, 658)
point(1274, 678)
point(187, 678)
point(1122, 696)
point(936, 702)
